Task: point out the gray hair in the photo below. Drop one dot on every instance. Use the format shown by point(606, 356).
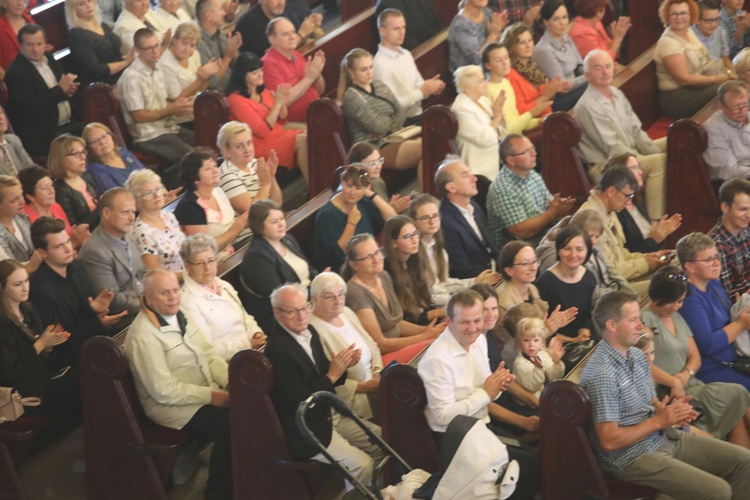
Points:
point(148, 280)
point(276, 295)
point(324, 282)
point(588, 220)
point(466, 75)
point(691, 245)
point(197, 243)
point(507, 145)
point(590, 55)
point(741, 61)
point(139, 178)
point(443, 175)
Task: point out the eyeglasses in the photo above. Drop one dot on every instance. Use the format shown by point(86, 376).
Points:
point(81, 153)
point(714, 20)
point(372, 256)
point(148, 195)
point(739, 106)
point(710, 260)
point(331, 297)
point(148, 49)
point(525, 151)
point(380, 161)
point(204, 263)
point(411, 236)
point(676, 277)
point(97, 140)
point(629, 196)
point(429, 218)
point(526, 263)
point(291, 313)
point(682, 13)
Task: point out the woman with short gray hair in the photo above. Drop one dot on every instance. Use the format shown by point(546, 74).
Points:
point(156, 232)
point(338, 328)
point(213, 303)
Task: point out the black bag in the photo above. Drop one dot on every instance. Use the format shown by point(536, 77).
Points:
point(741, 364)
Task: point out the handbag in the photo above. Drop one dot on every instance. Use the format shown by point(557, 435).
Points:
point(741, 364)
point(11, 404)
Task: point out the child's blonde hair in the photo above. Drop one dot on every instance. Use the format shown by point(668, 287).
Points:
point(529, 328)
point(644, 341)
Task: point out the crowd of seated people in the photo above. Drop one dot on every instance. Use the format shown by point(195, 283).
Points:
point(371, 304)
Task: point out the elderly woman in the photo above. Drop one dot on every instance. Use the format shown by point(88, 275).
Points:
point(245, 178)
point(171, 13)
point(339, 327)
point(687, 77)
point(213, 303)
point(156, 232)
point(557, 56)
point(481, 124)
point(204, 208)
point(588, 32)
point(265, 113)
point(181, 65)
point(372, 112)
point(273, 258)
point(109, 165)
point(74, 188)
point(13, 15)
point(372, 297)
point(355, 209)
point(94, 48)
point(741, 63)
point(39, 192)
point(471, 29)
point(528, 81)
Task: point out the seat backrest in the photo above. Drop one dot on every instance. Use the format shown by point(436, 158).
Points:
point(439, 130)
point(639, 84)
point(111, 416)
point(431, 58)
point(100, 104)
point(569, 467)
point(3, 94)
point(562, 169)
point(327, 143)
point(211, 112)
point(647, 27)
point(405, 429)
point(257, 437)
point(51, 17)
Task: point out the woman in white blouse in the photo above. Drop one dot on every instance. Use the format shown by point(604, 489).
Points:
point(481, 124)
point(170, 13)
point(213, 303)
point(338, 328)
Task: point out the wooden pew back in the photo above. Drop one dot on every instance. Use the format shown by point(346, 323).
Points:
point(563, 172)
point(327, 142)
point(439, 130)
point(638, 82)
point(211, 112)
point(51, 17)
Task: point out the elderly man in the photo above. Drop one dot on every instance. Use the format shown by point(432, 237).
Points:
point(214, 44)
point(610, 126)
point(180, 380)
point(253, 25)
point(111, 257)
point(395, 66)
point(12, 155)
point(150, 117)
point(135, 16)
point(467, 240)
point(633, 432)
point(283, 64)
point(732, 236)
point(458, 381)
point(728, 129)
point(40, 94)
point(616, 186)
point(300, 369)
point(519, 205)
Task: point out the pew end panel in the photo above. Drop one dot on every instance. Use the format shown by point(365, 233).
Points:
point(563, 171)
point(211, 112)
point(690, 190)
point(121, 443)
point(262, 466)
point(327, 143)
point(439, 130)
point(51, 17)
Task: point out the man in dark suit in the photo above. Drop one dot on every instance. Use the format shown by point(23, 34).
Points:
point(467, 240)
point(40, 94)
point(61, 290)
point(301, 368)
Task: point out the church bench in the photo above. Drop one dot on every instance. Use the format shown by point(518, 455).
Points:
point(638, 82)
point(16, 441)
point(646, 30)
point(431, 58)
point(127, 455)
point(51, 17)
point(211, 111)
point(439, 130)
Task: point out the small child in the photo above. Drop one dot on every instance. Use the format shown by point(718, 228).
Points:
point(510, 322)
point(534, 365)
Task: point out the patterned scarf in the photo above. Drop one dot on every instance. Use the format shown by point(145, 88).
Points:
point(529, 70)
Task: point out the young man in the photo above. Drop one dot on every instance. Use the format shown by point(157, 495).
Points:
point(732, 236)
point(708, 30)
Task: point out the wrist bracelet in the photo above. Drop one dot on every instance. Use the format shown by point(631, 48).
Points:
point(372, 197)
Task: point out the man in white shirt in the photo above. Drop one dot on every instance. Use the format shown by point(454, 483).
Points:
point(395, 66)
point(727, 154)
point(457, 379)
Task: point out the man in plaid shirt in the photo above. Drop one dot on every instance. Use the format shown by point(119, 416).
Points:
point(733, 237)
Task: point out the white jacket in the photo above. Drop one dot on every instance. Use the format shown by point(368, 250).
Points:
point(478, 142)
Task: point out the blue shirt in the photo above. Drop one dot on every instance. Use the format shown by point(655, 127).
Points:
point(106, 177)
point(716, 44)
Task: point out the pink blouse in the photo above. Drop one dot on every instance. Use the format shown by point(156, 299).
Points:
point(587, 38)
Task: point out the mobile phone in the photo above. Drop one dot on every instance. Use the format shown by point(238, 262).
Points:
point(60, 372)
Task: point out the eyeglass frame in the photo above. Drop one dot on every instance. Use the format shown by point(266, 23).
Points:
point(291, 313)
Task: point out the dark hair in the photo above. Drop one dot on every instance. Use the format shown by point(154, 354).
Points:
point(567, 234)
point(587, 9)
point(258, 214)
point(549, 8)
point(487, 50)
point(415, 203)
point(709, 5)
point(466, 298)
point(360, 150)
point(29, 29)
point(610, 306)
point(358, 176)
point(667, 285)
point(410, 284)
point(506, 145)
point(8, 267)
point(246, 62)
point(485, 290)
point(141, 35)
point(508, 255)
point(191, 164)
point(30, 177)
point(42, 227)
point(731, 188)
point(618, 177)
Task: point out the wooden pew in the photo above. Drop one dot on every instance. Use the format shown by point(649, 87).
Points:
point(563, 171)
point(431, 58)
point(211, 112)
point(11, 487)
point(262, 467)
point(569, 466)
point(646, 30)
point(51, 17)
point(327, 142)
point(350, 8)
point(127, 455)
point(638, 82)
point(439, 130)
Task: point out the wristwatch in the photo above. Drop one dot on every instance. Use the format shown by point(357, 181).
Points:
point(691, 372)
